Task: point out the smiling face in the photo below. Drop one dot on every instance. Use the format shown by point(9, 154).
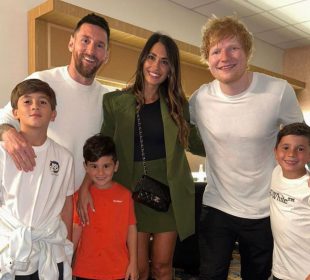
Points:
point(101, 171)
point(34, 111)
point(228, 62)
point(156, 66)
point(89, 48)
point(292, 153)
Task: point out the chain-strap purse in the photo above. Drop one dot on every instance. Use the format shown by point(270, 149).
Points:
point(149, 191)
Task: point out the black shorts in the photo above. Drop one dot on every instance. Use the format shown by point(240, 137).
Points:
point(35, 276)
point(80, 278)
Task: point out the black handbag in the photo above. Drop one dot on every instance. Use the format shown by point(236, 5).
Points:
point(149, 191)
point(152, 193)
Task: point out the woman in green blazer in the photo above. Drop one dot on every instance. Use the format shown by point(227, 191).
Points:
point(158, 96)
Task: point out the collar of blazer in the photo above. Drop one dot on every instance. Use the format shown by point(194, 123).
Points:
point(126, 105)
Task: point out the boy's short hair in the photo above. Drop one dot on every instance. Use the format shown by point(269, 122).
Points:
point(32, 86)
point(298, 129)
point(95, 20)
point(217, 29)
point(99, 146)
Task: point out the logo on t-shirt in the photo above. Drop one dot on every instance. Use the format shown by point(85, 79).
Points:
point(117, 201)
point(54, 167)
point(281, 197)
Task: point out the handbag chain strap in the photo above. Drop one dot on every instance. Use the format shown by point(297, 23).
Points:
point(141, 143)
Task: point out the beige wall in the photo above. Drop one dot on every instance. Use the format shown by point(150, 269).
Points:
point(13, 47)
point(296, 64)
point(176, 21)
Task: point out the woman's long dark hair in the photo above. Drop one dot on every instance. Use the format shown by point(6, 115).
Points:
point(171, 87)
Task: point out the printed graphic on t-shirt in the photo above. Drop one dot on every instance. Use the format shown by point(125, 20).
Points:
point(54, 167)
point(283, 198)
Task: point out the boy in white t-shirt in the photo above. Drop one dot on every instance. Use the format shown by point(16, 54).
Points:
point(290, 204)
point(36, 207)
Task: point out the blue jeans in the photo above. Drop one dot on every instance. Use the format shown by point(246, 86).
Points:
point(218, 234)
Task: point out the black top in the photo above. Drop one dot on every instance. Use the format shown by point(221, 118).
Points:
point(152, 133)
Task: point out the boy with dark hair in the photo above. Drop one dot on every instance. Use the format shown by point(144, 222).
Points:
point(36, 206)
point(107, 246)
point(33, 86)
point(290, 204)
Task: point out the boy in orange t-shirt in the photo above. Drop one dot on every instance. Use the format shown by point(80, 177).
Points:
point(107, 246)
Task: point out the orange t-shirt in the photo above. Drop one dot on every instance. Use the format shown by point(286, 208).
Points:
point(102, 251)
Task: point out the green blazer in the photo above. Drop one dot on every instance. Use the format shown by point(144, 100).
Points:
point(119, 119)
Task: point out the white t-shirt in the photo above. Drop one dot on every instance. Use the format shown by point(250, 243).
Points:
point(290, 223)
point(239, 134)
point(36, 198)
point(79, 113)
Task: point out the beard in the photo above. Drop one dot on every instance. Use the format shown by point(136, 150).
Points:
point(87, 71)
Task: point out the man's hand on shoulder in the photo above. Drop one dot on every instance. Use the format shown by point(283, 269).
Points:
point(85, 200)
point(18, 148)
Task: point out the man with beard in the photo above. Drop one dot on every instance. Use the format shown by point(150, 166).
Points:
point(79, 97)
